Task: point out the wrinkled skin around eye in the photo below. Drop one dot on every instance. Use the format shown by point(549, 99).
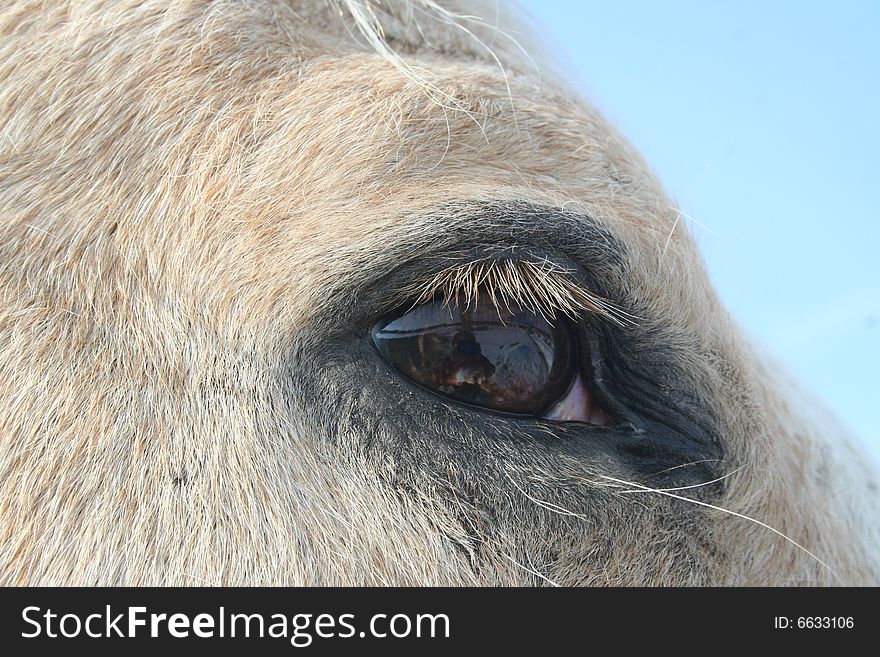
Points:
point(509, 360)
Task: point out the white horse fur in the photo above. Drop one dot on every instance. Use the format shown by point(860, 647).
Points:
point(196, 199)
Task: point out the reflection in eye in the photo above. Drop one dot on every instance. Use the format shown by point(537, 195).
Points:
point(510, 360)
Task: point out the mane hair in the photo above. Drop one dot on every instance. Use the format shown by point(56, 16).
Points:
point(391, 27)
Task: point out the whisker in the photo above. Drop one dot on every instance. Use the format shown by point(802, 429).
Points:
point(530, 571)
point(688, 464)
point(728, 511)
point(667, 490)
point(555, 508)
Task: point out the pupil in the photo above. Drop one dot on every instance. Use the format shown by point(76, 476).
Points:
point(468, 348)
point(516, 362)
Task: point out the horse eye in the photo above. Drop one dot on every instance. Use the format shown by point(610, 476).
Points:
point(509, 360)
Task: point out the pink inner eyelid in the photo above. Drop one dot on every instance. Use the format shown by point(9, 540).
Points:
point(578, 406)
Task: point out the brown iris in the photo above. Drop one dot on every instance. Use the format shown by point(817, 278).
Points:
point(508, 360)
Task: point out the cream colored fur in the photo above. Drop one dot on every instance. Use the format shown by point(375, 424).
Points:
point(185, 185)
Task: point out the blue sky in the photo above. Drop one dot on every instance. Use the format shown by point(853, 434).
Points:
point(762, 121)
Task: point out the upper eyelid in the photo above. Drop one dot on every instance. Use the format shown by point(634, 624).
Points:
point(390, 274)
point(455, 230)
